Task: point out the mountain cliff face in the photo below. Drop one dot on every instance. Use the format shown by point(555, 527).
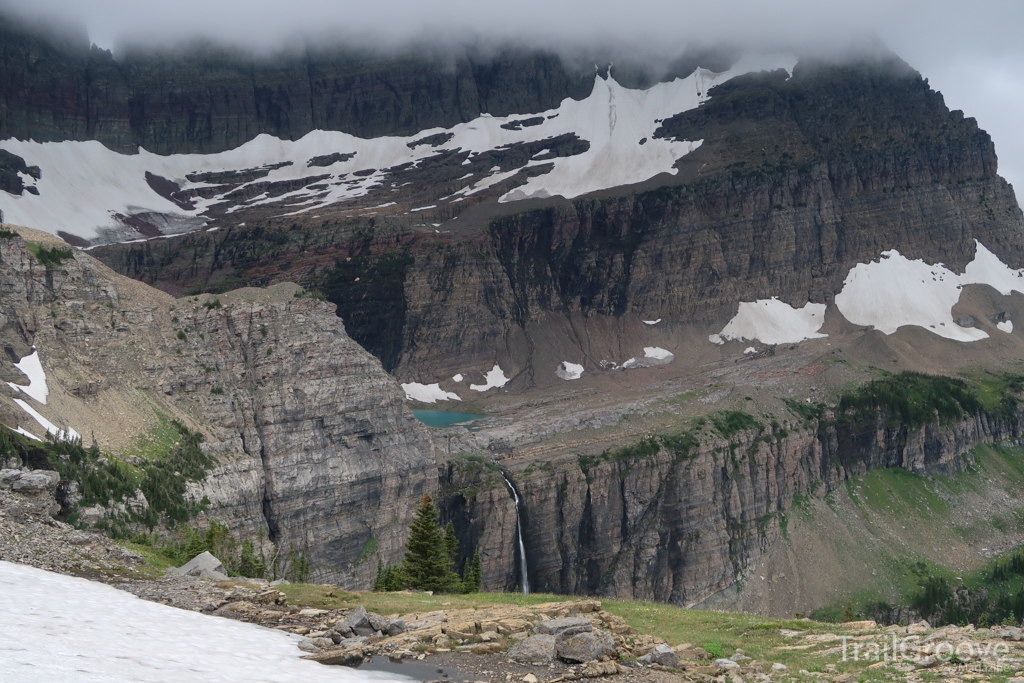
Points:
point(789, 180)
point(798, 180)
point(312, 442)
point(680, 521)
point(209, 99)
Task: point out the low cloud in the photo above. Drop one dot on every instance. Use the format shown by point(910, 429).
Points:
point(972, 53)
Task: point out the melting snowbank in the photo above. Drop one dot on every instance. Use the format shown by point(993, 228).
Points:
point(771, 321)
point(68, 434)
point(895, 291)
point(63, 628)
point(428, 393)
point(33, 369)
point(653, 355)
point(568, 371)
point(495, 379)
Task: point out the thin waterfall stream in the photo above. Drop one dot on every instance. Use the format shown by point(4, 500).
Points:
point(524, 579)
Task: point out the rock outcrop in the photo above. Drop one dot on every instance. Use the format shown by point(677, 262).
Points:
point(312, 441)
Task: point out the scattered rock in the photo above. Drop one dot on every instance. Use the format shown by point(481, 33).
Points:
point(726, 664)
point(664, 655)
point(529, 678)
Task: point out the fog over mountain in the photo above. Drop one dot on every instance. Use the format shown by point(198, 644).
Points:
point(973, 57)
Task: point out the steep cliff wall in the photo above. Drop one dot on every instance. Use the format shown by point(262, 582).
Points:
point(799, 179)
point(681, 520)
point(208, 99)
point(313, 442)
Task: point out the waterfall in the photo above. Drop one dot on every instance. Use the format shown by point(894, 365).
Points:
point(524, 580)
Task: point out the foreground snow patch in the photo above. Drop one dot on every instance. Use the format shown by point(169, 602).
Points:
point(62, 628)
point(895, 291)
point(495, 379)
point(771, 321)
point(428, 393)
point(1005, 326)
point(33, 369)
point(567, 370)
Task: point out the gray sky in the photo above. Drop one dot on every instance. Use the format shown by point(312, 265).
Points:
point(970, 51)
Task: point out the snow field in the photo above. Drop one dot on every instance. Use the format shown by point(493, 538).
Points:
point(84, 184)
point(895, 291)
point(63, 628)
point(771, 321)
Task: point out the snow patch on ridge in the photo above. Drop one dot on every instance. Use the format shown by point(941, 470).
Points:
point(1005, 326)
point(428, 393)
point(895, 291)
point(569, 371)
point(495, 379)
point(653, 355)
point(64, 628)
point(33, 369)
point(68, 434)
point(771, 321)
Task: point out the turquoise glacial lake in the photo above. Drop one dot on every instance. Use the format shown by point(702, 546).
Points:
point(444, 418)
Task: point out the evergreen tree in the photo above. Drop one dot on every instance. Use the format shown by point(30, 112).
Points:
point(473, 574)
point(451, 546)
point(426, 556)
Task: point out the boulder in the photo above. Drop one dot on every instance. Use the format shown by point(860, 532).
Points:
point(395, 627)
point(726, 664)
point(564, 627)
point(586, 646)
point(357, 623)
point(34, 482)
point(357, 641)
point(205, 566)
point(377, 622)
point(308, 646)
point(539, 649)
point(8, 477)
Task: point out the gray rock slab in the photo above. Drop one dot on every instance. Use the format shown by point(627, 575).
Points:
point(539, 649)
point(203, 565)
point(564, 626)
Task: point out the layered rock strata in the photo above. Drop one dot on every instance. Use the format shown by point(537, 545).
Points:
point(312, 440)
point(680, 524)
